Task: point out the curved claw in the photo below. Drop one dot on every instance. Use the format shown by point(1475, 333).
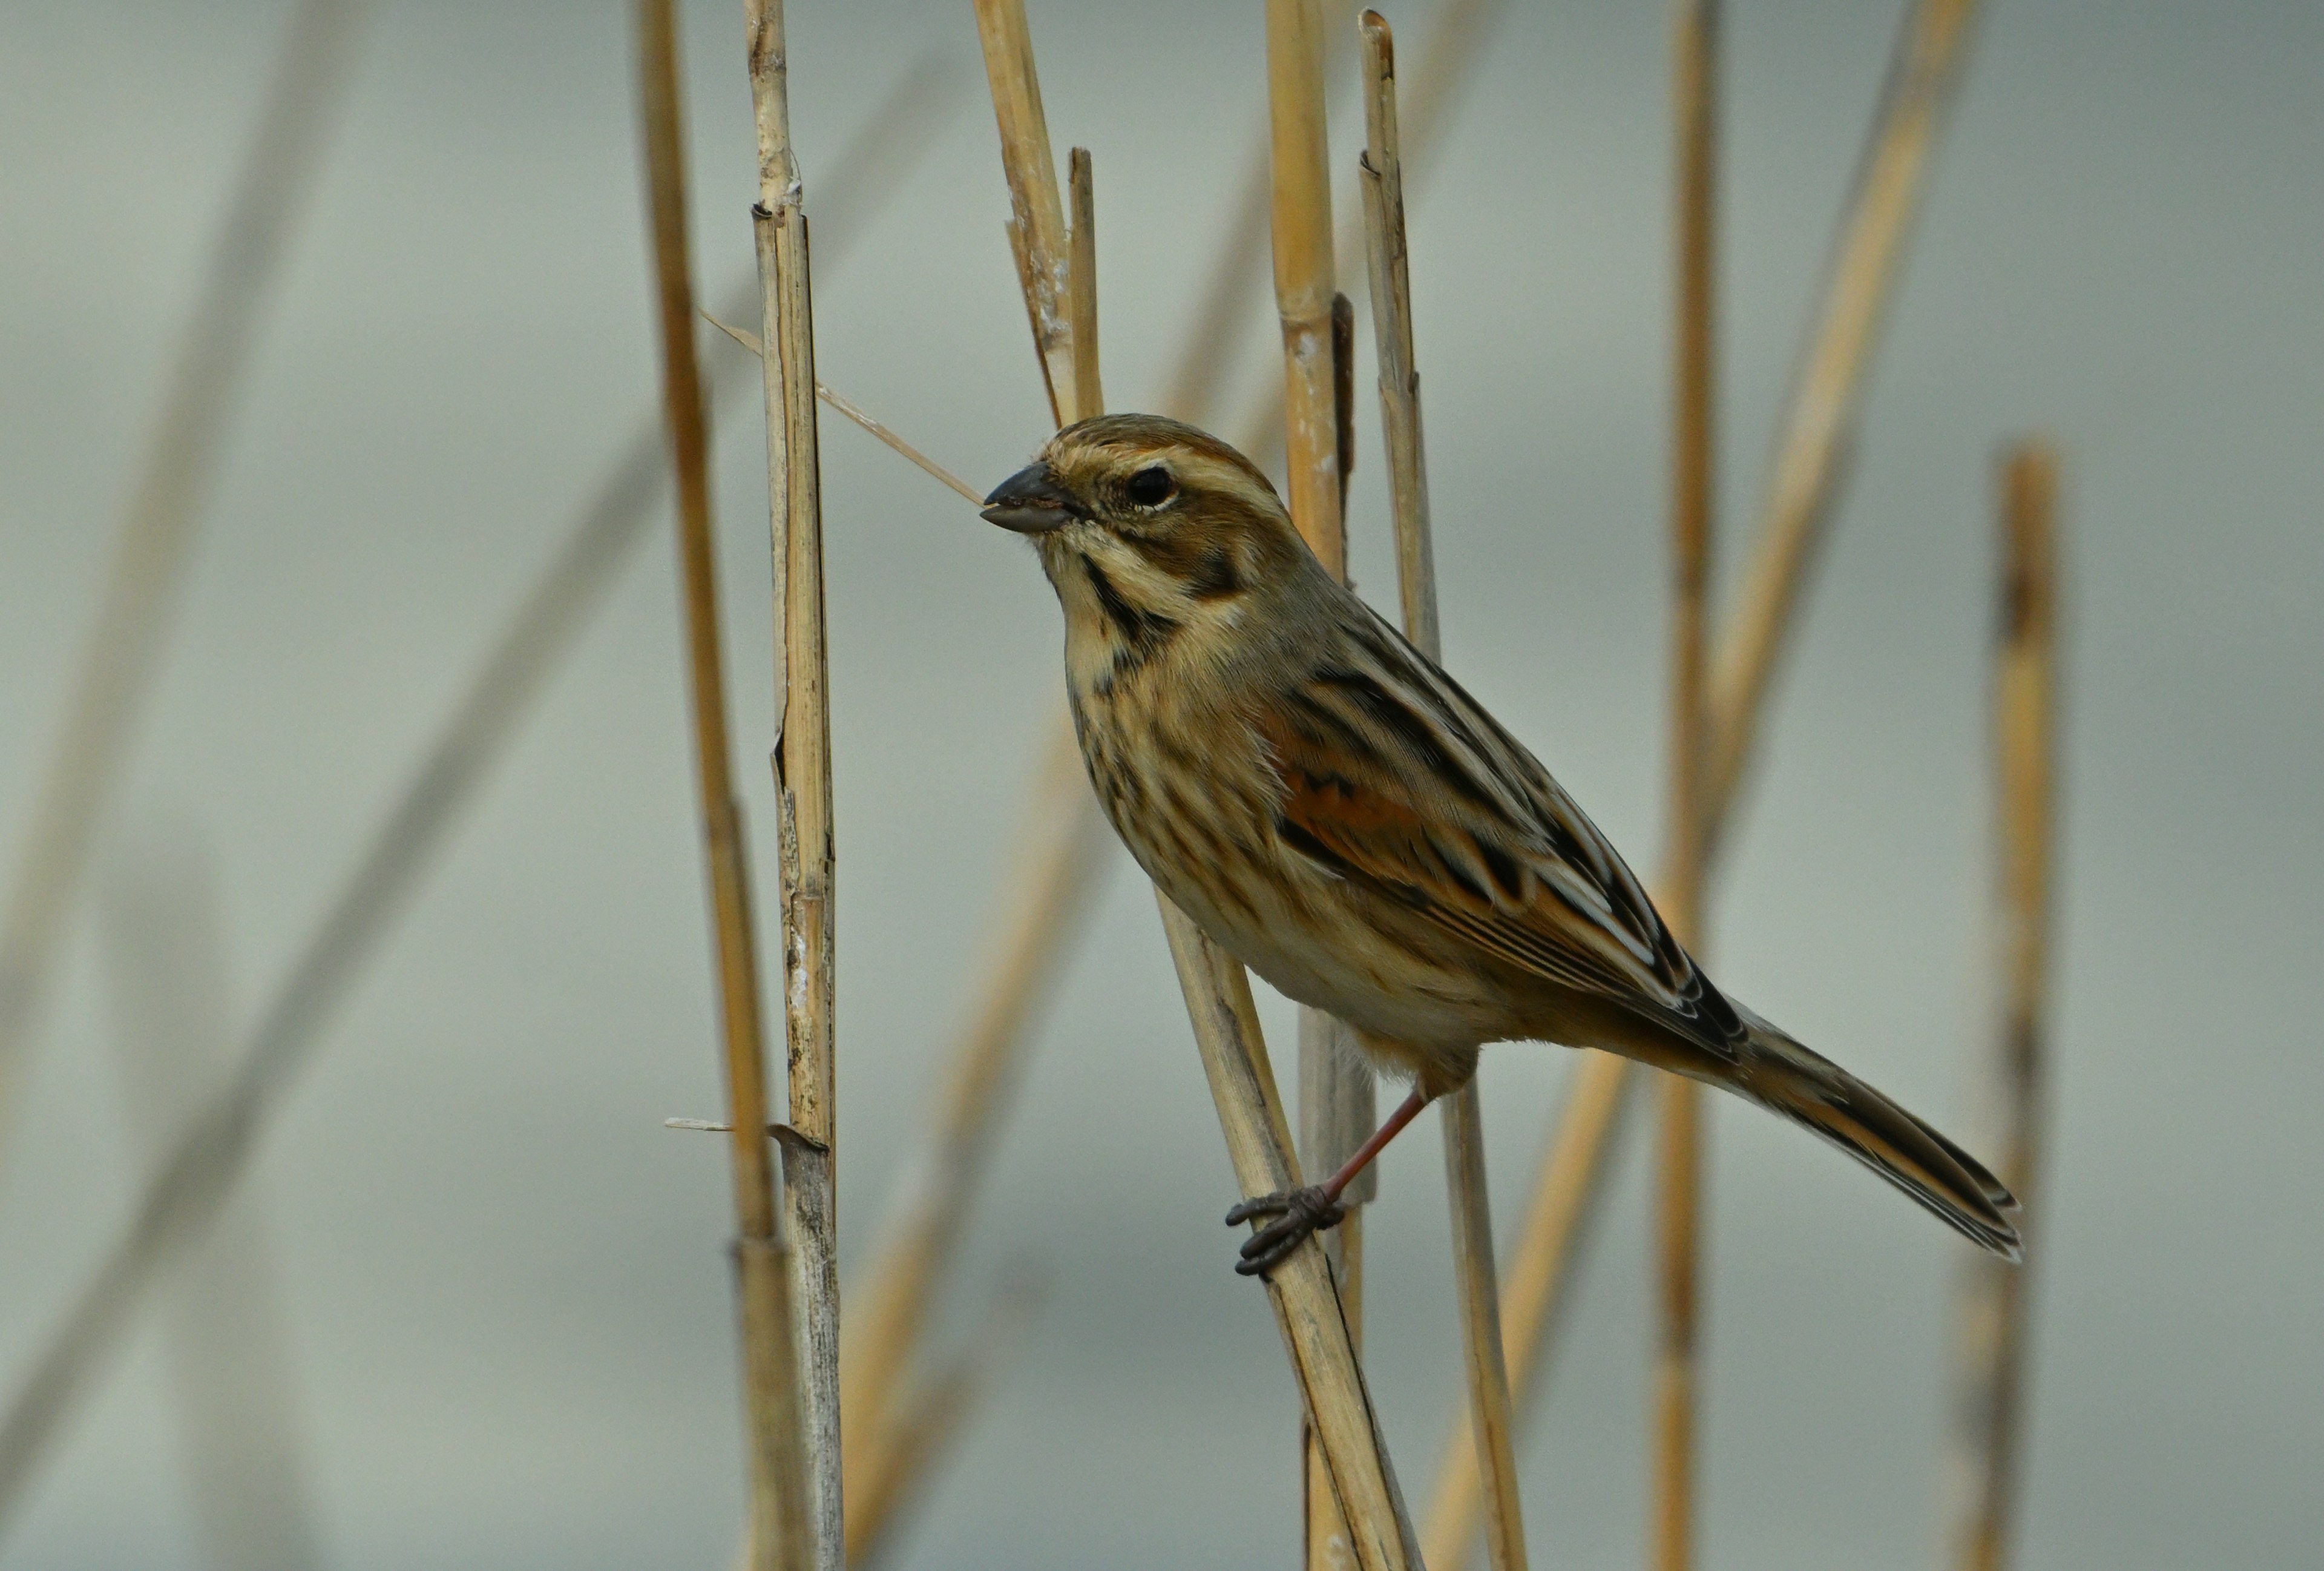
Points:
point(1297, 1212)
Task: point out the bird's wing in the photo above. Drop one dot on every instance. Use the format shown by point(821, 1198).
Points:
point(1394, 778)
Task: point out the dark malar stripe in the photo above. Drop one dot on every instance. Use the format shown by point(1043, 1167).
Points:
point(1143, 631)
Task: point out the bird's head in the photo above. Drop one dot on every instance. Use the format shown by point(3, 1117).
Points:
point(1146, 526)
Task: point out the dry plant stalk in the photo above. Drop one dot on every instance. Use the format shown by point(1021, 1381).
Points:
point(802, 756)
point(222, 1324)
point(1335, 1086)
point(182, 1197)
point(1455, 33)
point(117, 663)
point(1990, 1398)
point(1218, 993)
point(1818, 420)
point(779, 1466)
point(1694, 104)
point(1315, 1332)
point(1380, 173)
point(1036, 219)
point(1065, 840)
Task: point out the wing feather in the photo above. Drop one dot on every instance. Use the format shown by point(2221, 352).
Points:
point(1395, 779)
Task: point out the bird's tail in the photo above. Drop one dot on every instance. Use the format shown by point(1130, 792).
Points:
point(1785, 1077)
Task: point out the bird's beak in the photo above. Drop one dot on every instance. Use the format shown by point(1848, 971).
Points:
point(1032, 501)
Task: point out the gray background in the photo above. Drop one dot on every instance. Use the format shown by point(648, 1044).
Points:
point(510, 1317)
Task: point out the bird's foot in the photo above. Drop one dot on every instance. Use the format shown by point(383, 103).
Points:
point(1297, 1212)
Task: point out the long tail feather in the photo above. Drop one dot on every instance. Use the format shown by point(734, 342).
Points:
point(1817, 1093)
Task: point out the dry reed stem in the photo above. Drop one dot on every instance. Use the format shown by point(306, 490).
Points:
point(1826, 396)
point(891, 1301)
point(222, 1322)
point(1036, 219)
point(802, 757)
point(1694, 104)
point(181, 1198)
point(117, 662)
point(1335, 1101)
point(1822, 407)
point(777, 1456)
point(1307, 1304)
point(1381, 176)
point(1219, 1005)
point(1066, 838)
point(1990, 1398)
point(1089, 397)
point(1456, 30)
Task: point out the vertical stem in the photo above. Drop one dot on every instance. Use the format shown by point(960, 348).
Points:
point(124, 644)
point(1695, 103)
point(781, 1521)
point(1089, 399)
point(1355, 1467)
point(1036, 220)
point(1333, 1118)
point(802, 757)
point(1381, 177)
point(1819, 421)
point(1990, 1403)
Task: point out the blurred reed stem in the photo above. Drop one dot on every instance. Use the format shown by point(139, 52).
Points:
point(272, 190)
point(1994, 1295)
point(802, 760)
point(1819, 425)
point(223, 1332)
point(777, 1453)
point(1694, 108)
point(1381, 176)
point(181, 1197)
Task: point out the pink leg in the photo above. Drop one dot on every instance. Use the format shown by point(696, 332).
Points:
point(1300, 1212)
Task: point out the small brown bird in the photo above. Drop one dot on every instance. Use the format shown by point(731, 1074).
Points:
point(1337, 814)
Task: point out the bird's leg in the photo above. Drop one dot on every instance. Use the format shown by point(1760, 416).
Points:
point(1314, 1207)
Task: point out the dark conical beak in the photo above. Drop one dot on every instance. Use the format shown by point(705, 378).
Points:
point(1032, 501)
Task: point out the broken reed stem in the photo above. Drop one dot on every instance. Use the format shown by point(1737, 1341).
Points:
point(778, 1461)
point(1827, 396)
point(1819, 417)
point(117, 662)
point(181, 1198)
point(1694, 104)
point(802, 757)
point(1381, 176)
point(1335, 1102)
point(1036, 220)
point(1990, 1398)
point(223, 1337)
point(1089, 398)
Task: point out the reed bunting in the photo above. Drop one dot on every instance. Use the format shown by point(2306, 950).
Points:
point(1335, 812)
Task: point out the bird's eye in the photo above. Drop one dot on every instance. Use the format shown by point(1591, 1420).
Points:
point(1151, 488)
